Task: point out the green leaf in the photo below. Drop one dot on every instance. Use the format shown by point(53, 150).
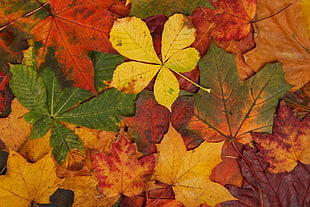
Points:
point(146, 8)
point(234, 107)
point(102, 112)
point(40, 127)
point(104, 65)
point(63, 140)
point(29, 89)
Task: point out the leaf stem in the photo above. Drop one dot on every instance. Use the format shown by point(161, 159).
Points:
point(196, 84)
point(258, 20)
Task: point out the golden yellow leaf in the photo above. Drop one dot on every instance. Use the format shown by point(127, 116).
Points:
point(166, 88)
point(86, 193)
point(188, 171)
point(178, 33)
point(35, 149)
point(127, 2)
point(133, 77)
point(14, 130)
point(131, 38)
point(25, 183)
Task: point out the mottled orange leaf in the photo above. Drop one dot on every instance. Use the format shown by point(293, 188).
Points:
point(73, 28)
point(282, 37)
point(288, 144)
point(121, 172)
point(26, 183)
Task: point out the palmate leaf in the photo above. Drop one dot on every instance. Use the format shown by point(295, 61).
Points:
point(234, 108)
point(102, 112)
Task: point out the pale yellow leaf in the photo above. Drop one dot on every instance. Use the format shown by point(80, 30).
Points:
point(133, 77)
point(25, 183)
point(184, 60)
point(178, 34)
point(131, 37)
point(166, 88)
point(188, 172)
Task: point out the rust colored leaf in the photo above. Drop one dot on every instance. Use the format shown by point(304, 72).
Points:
point(121, 172)
point(288, 42)
point(6, 95)
point(149, 124)
point(72, 29)
point(282, 189)
point(299, 100)
point(288, 144)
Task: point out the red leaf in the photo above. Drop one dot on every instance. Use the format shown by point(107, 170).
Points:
point(149, 124)
point(283, 189)
point(73, 28)
point(6, 95)
point(121, 172)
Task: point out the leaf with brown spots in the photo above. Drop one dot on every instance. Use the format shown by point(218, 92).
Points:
point(121, 172)
point(288, 144)
point(72, 29)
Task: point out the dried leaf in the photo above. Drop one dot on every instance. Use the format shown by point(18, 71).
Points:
point(288, 144)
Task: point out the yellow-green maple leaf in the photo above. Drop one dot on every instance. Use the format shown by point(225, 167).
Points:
point(131, 37)
point(25, 183)
point(188, 171)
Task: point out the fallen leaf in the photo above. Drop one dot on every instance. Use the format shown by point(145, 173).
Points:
point(282, 189)
point(288, 144)
point(25, 183)
point(35, 149)
point(146, 8)
point(178, 34)
point(121, 172)
point(235, 107)
point(148, 126)
point(188, 171)
point(289, 33)
point(14, 130)
point(299, 100)
point(70, 31)
point(6, 95)
point(86, 193)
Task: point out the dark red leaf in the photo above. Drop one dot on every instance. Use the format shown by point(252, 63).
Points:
point(6, 95)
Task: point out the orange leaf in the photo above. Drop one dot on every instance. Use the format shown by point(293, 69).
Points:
point(288, 42)
point(121, 172)
point(73, 28)
point(288, 144)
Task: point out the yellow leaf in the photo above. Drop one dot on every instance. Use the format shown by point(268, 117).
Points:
point(178, 34)
point(35, 149)
point(127, 2)
point(183, 61)
point(14, 129)
point(131, 37)
point(133, 77)
point(188, 171)
point(166, 88)
point(86, 193)
point(25, 183)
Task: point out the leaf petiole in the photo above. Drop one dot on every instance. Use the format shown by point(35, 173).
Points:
point(196, 84)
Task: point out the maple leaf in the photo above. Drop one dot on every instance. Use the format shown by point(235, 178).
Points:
point(188, 171)
point(15, 131)
point(282, 189)
point(289, 33)
point(86, 193)
point(121, 172)
point(72, 29)
point(235, 108)
point(176, 56)
point(288, 144)
point(146, 8)
point(25, 183)
point(6, 95)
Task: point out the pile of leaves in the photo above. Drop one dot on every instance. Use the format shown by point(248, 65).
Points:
point(154, 103)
